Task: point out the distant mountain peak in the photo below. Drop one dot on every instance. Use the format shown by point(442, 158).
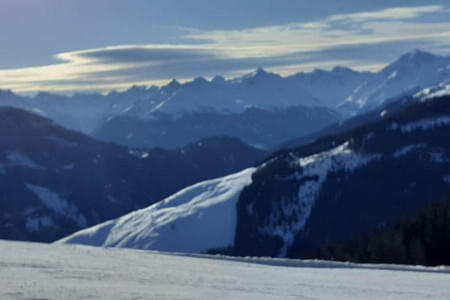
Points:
point(137, 88)
point(6, 93)
point(173, 84)
point(341, 69)
point(260, 73)
point(417, 57)
point(218, 79)
point(418, 53)
point(199, 80)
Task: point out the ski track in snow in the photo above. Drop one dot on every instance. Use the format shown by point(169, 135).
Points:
point(42, 271)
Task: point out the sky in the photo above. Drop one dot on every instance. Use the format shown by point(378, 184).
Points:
point(101, 45)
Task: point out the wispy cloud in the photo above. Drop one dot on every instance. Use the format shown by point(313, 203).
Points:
point(362, 40)
point(139, 53)
point(396, 13)
point(331, 32)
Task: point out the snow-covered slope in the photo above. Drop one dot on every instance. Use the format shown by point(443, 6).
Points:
point(411, 72)
point(196, 219)
point(331, 87)
point(40, 271)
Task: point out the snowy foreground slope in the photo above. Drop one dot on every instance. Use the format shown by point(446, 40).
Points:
point(42, 271)
point(194, 220)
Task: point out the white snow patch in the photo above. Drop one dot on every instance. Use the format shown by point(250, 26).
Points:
point(19, 159)
point(383, 113)
point(38, 111)
point(259, 146)
point(442, 89)
point(194, 220)
point(392, 75)
point(126, 109)
point(57, 204)
point(338, 158)
point(139, 154)
point(406, 149)
point(315, 169)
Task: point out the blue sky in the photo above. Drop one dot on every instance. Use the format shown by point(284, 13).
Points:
point(99, 45)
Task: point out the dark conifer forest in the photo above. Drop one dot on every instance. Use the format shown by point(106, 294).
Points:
point(421, 239)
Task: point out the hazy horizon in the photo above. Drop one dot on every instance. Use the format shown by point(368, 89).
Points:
point(80, 46)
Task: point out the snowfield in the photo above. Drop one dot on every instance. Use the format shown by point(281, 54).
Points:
point(194, 220)
point(43, 271)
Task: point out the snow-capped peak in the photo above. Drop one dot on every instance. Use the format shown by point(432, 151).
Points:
point(408, 74)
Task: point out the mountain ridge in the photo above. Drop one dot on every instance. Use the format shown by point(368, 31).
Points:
point(341, 92)
point(281, 212)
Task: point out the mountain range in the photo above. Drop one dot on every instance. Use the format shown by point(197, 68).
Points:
point(261, 108)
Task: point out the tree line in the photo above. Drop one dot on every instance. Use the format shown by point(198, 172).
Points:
point(420, 239)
